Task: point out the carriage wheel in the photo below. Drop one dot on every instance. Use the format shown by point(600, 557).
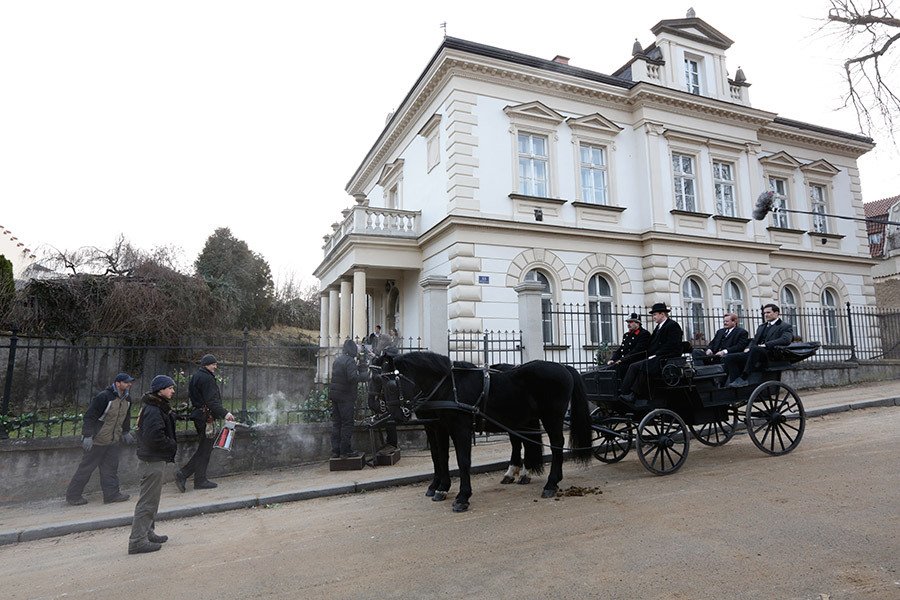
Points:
point(611, 438)
point(671, 375)
point(662, 442)
point(775, 418)
point(719, 432)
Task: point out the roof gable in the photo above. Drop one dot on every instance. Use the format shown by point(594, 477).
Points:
point(694, 29)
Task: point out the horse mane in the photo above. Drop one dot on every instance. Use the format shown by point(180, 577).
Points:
point(432, 362)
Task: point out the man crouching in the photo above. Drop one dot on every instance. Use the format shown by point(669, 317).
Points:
point(156, 447)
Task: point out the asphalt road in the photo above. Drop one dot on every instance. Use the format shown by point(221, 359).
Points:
point(821, 523)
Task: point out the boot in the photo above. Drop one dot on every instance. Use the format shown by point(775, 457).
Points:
point(143, 547)
point(205, 485)
point(180, 480)
point(120, 497)
point(157, 539)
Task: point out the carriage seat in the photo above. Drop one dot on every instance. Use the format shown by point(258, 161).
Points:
point(679, 361)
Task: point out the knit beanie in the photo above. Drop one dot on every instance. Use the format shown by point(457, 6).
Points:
point(207, 360)
point(161, 382)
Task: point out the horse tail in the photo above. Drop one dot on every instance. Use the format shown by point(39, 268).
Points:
point(580, 431)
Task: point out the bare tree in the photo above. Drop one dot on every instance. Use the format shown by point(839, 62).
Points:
point(872, 29)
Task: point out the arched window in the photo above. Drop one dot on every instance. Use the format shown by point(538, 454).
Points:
point(546, 303)
point(734, 297)
point(600, 310)
point(790, 308)
point(829, 316)
point(692, 296)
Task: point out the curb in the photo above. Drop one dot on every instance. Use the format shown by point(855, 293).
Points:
point(57, 530)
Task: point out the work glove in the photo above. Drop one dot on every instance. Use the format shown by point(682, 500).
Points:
point(87, 443)
point(129, 438)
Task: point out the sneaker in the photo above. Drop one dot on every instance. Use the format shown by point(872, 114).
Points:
point(79, 501)
point(143, 547)
point(205, 485)
point(120, 497)
point(180, 481)
point(157, 539)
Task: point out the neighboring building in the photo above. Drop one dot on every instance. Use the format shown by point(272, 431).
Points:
point(884, 244)
point(16, 252)
point(505, 184)
point(875, 212)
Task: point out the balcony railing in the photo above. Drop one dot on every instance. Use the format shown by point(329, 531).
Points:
point(368, 220)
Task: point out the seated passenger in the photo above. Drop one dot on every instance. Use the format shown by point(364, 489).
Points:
point(633, 348)
point(665, 342)
point(731, 339)
point(772, 334)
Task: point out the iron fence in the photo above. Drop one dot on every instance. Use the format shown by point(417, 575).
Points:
point(49, 382)
point(486, 347)
point(584, 335)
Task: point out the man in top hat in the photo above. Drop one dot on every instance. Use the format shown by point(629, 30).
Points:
point(731, 339)
point(633, 347)
point(665, 342)
point(207, 402)
point(107, 423)
point(773, 333)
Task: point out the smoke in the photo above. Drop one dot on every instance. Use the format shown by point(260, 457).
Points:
point(275, 405)
point(764, 205)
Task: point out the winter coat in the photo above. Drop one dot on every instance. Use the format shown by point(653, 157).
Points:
point(634, 346)
point(156, 430)
point(95, 415)
point(666, 340)
point(204, 392)
point(779, 333)
point(345, 375)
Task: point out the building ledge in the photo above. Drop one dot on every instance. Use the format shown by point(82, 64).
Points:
point(556, 201)
point(600, 207)
point(830, 236)
point(690, 213)
point(730, 219)
point(786, 230)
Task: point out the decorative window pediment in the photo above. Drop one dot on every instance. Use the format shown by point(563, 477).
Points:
point(430, 125)
point(780, 159)
point(595, 123)
point(390, 172)
point(694, 29)
point(535, 112)
point(820, 167)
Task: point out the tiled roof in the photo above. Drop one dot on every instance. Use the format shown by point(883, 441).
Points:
point(874, 210)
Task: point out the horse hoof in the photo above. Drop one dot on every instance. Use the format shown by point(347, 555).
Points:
point(548, 494)
point(439, 496)
point(524, 480)
point(459, 507)
point(507, 479)
point(429, 493)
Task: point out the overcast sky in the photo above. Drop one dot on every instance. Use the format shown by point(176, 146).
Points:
point(165, 120)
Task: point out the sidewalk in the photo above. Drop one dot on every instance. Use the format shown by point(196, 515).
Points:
point(38, 520)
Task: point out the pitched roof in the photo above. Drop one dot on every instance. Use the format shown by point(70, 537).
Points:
point(874, 210)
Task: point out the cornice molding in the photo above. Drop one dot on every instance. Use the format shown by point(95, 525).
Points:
point(781, 134)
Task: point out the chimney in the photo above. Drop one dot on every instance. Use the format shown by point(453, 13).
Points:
point(559, 58)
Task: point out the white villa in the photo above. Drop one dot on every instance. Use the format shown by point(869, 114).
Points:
point(505, 183)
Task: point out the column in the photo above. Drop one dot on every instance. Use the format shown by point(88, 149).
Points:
point(344, 328)
point(434, 303)
point(333, 317)
point(359, 304)
point(323, 319)
point(530, 320)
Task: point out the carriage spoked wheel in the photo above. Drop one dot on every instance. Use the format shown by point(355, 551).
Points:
point(717, 433)
point(662, 441)
point(612, 437)
point(775, 418)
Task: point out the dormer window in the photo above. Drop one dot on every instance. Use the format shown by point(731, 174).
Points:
point(692, 75)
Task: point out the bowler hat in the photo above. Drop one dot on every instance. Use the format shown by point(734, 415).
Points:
point(633, 318)
point(208, 359)
point(659, 307)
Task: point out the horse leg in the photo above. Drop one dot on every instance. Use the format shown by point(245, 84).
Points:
point(462, 441)
point(515, 460)
point(557, 440)
point(534, 456)
point(443, 467)
point(432, 437)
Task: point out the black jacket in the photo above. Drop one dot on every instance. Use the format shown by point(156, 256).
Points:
point(156, 430)
point(666, 340)
point(780, 333)
point(734, 342)
point(204, 392)
point(345, 374)
point(634, 346)
point(97, 408)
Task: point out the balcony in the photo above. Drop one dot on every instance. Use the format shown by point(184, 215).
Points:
point(366, 220)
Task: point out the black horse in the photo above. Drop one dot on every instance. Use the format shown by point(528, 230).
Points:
point(513, 400)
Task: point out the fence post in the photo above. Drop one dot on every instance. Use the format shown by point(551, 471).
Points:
point(7, 385)
point(486, 350)
point(244, 378)
point(853, 357)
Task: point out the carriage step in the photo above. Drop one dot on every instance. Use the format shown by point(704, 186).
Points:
point(347, 464)
point(386, 460)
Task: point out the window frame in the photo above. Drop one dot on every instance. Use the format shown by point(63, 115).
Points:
point(532, 157)
point(547, 298)
point(732, 183)
point(689, 85)
point(694, 311)
point(682, 176)
point(830, 328)
point(790, 311)
point(601, 326)
point(731, 304)
point(780, 219)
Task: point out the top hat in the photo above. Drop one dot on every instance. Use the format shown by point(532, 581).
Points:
point(634, 317)
point(659, 307)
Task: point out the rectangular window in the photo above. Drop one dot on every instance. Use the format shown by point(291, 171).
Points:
point(533, 161)
point(723, 174)
point(433, 149)
point(692, 76)
point(779, 186)
point(817, 202)
point(685, 196)
point(593, 174)
point(393, 197)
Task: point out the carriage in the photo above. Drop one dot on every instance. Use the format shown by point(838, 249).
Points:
point(692, 400)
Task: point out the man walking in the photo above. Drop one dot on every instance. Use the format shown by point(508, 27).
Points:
point(207, 402)
point(730, 339)
point(773, 333)
point(107, 422)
